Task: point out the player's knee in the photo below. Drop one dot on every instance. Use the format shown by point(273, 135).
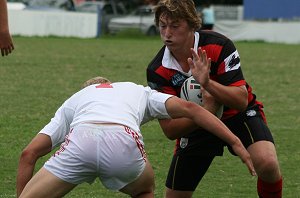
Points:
point(146, 193)
point(146, 190)
point(143, 186)
point(268, 166)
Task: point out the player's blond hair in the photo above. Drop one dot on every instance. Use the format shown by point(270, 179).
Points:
point(178, 10)
point(95, 80)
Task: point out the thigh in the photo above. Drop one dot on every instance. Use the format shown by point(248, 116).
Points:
point(250, 127)
point(44, 184)
point(113, 153)
point(185, 172)
point(75, 161)
point(144, 184)
point(122, 158)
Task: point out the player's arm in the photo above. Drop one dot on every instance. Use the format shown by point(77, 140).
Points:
point(176, 128)
point(6, 44)
point(209, 102)
point(232, 96)
point(38, 147)
point(52, 135)
point(178, 108)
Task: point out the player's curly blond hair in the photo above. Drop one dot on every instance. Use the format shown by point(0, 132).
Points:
point(95, 80)
point(178, 10)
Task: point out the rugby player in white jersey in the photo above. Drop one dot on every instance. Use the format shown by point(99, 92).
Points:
point(99, 128)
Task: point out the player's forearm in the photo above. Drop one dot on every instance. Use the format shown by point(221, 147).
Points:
point(176, 128)
point(25, 172)
point(209, 102)
point(26, 166)
point(212, 124)
point(233, 97)
point(218, 128)
point(3, 16)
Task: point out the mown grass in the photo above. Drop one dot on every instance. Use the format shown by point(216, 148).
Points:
point(42, 72)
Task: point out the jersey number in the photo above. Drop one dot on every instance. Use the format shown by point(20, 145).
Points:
point(104, 86)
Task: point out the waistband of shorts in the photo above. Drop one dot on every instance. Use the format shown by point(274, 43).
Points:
point(104, 125)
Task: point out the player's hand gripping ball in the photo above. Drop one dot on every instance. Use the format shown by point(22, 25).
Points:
point(191, 91)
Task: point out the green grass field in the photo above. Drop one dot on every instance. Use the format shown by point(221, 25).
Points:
point(43, 72)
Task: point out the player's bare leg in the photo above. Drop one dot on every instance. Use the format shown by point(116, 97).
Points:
point(44, 184)
point(266, 162)
point(264, 158)
point(143, 187)
point(178, 194)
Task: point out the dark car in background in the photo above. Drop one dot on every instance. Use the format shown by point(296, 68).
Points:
point(141, 19)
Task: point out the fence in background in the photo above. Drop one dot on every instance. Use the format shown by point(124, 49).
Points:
point(86, 25)
point(49, 23)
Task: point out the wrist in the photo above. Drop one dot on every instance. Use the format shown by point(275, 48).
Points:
point(235, 142)
point(206, 84)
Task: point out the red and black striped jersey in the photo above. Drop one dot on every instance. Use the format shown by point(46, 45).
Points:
point(225, 68)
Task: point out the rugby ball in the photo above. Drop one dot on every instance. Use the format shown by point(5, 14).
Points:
point(191, 91)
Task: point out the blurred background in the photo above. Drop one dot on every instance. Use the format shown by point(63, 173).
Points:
point(270, 21)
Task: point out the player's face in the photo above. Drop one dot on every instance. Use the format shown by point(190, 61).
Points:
point(175, 34)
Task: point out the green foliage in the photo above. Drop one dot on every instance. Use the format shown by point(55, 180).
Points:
point(42, 72)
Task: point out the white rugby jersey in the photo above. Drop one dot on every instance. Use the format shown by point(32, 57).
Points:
point(122, 103)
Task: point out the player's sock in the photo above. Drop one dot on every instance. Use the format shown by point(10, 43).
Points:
point(269, 190)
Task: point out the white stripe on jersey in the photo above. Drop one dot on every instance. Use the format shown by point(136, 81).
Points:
point(232, 62)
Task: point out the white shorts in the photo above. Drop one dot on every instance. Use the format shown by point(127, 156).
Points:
point(113, 153)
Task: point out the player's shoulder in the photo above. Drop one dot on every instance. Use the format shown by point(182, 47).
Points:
point(157, 60)
point(130, 88)
point(212, 34)
point(208, 37)
point(125, 84)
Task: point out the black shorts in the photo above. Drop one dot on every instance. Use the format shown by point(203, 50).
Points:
point(188, 165)
point(250, 126)
point(186, 172)
point(193, 156)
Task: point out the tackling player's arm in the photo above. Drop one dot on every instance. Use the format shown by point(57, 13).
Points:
point(178, 108)
point(38, 147)
point(176, 128)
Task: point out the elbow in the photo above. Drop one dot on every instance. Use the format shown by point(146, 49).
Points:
point(170, 135)
point(243, 106)
point(28, 156)
point(243, 102)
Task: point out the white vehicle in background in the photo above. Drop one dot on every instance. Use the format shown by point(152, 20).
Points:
point(49, 5)
point(108, 7)
point(15, 6)
point(142, 19)
point(107, 10)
